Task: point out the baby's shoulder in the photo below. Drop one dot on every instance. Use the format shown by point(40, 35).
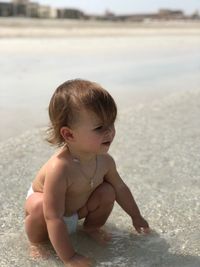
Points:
point(57, 164)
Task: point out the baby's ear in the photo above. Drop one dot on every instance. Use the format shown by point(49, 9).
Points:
point(66, 133)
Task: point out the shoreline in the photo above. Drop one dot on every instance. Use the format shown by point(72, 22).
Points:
point(25, 27)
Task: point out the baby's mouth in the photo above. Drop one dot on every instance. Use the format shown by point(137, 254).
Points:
point(107, 143)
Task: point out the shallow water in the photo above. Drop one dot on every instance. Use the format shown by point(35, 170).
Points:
point(134, 69)
point(157, 153)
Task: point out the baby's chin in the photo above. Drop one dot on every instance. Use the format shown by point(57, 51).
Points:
point(105, 147)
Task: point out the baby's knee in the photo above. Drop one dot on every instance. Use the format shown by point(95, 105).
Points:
point(37, 208)
point(108, 193)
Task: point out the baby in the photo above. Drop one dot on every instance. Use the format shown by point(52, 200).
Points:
point(80, 180)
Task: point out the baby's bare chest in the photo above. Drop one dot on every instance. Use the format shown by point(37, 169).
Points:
point(79, 192)
point(81, 182)
point(82, 185)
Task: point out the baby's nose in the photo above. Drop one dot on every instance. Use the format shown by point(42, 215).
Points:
point(110, 131)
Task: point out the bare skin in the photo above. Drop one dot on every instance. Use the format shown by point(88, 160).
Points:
point(98, 207)
point(62, 188)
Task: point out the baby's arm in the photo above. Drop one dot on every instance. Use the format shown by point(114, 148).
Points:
point(125, 198)
point(54, 207)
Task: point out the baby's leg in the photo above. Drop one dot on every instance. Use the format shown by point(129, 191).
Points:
point(35, 225)
point(97, 211)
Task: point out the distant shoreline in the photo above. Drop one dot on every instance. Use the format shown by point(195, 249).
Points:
point(26, 27)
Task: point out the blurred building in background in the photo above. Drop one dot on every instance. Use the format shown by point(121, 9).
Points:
point(29, 9)
point(6, 9)
point(26, 8)
point(169, 14)
point(20, 8)
point(162, 14)
point(70, 13)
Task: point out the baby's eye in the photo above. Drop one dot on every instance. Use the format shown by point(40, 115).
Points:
point(99, 128)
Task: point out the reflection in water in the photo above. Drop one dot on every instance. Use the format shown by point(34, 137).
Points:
point(125, 250)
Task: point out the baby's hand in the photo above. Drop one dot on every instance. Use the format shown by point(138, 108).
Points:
point(141, 225)
point(78, 261)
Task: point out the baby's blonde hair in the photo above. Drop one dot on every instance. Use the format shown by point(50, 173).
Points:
point(68, 100)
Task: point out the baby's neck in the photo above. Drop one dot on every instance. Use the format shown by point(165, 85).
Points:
point(80, 156)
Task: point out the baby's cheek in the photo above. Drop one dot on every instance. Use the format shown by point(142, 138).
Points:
point(92, 142)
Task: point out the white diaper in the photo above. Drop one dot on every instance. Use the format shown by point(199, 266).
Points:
point(71, 222)
point(30, 192)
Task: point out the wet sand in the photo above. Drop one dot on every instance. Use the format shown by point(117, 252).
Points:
point(157, 152)
point(156, 147)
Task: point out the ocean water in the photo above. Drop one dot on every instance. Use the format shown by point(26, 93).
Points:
point(134, 69)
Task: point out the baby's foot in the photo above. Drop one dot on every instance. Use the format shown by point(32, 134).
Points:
point(99, 235)
point(39, 251)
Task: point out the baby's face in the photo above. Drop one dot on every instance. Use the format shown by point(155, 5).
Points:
point(90, 135)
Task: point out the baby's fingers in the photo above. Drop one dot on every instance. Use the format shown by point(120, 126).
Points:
point(138, 229)
point(143, 230)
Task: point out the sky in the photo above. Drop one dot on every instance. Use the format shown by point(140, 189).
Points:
point(125, 6)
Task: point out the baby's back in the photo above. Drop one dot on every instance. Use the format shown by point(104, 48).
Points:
point(38, 182)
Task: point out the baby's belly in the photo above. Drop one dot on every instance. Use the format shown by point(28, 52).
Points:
point(78, 195)
point(73, 204)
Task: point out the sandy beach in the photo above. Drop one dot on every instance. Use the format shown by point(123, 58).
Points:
point(158, 157)
point(155, 80)
point(25, 27)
